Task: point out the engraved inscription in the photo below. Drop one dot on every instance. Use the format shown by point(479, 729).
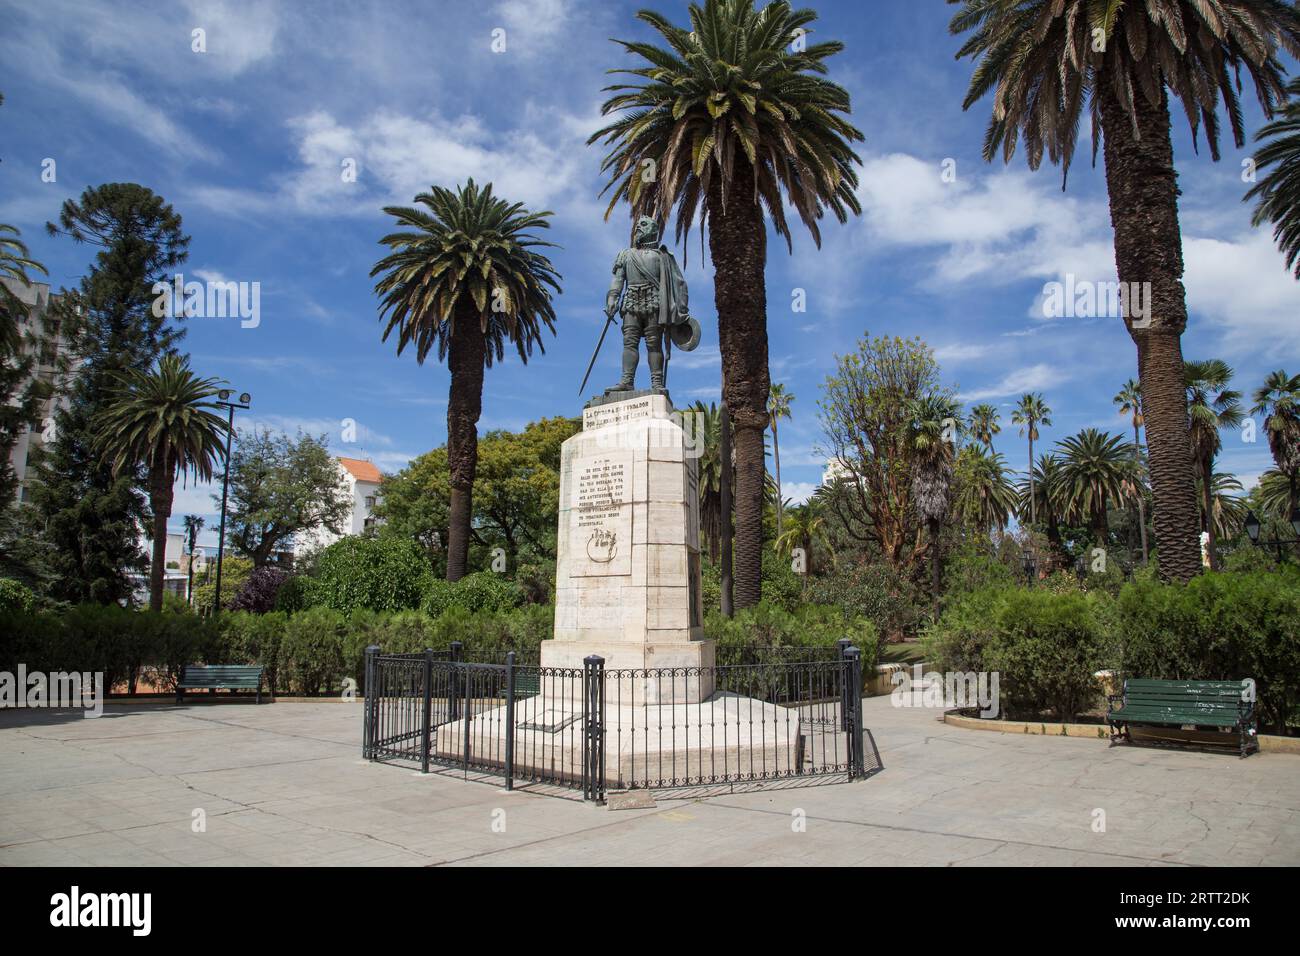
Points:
point(601, 513)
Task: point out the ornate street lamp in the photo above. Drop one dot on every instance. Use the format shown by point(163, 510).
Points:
point(223, 399)
point(1252, 526)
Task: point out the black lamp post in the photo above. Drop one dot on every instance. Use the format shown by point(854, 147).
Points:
point(1029, 563)
point(1253, 527)
point(224, 400)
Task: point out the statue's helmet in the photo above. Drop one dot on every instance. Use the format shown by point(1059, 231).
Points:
point(647, 231)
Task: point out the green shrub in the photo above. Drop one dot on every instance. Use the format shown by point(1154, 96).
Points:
point(769, 625)
point(480, 591)
point(15, 596)
point(378, 574)
point(877, 592)
point(311, 651)
point(298, 593)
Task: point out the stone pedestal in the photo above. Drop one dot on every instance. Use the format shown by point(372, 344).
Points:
point(628, 568)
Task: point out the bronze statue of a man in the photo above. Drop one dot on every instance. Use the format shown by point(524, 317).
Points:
point(653, 293)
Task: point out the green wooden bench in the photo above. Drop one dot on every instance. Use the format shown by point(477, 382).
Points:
point(220, 676)
point(1225, 706)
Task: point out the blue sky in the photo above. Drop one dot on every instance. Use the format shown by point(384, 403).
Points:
point(247, 140)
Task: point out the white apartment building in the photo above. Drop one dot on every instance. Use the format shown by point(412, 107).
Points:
point(363, 480)
point(39, 321)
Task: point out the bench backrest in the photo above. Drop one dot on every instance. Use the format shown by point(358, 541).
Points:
point(221, 673)
point(1218, 697)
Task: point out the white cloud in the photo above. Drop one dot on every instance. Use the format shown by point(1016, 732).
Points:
point(798, 492)
point(1030, 379)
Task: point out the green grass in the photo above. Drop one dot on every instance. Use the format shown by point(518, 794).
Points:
point(909, 652)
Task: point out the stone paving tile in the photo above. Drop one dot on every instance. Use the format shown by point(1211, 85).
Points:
point(283, 784)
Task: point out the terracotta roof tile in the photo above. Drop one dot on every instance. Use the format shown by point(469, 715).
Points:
point(361, 470)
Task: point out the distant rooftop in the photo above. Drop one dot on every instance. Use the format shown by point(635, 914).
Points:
point(362, 470)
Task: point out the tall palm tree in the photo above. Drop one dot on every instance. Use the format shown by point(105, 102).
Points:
point(1129, 400)
point(1277, 192)
point(1279, 400)
point(1044, 62)
point(983, 425)
point(728, 122)
point(985, 497)
point(778, 407)
point(1211, 405)
point(1096, 474)
point(932, 445)
point(193, 525)
point(1030, 412)
point(463, 276)
point(161, 419)
point(15, 263)
point(708, 436)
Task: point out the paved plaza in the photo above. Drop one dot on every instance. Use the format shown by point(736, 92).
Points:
point(285, 784)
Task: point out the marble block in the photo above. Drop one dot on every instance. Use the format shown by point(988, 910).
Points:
point(628, 558)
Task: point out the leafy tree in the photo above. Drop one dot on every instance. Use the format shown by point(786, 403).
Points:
point(1211, 405)
point(1029, 413)
point(89, 516)
point(779, 400)
point(22, 394)
point(1277, 191)
point(515, 496)
point(736, 119)
point(1042, 492)
point(1279, 400)
point(464, 277)
point(866, 415)
point(259, 592)
point(162, 420)
point(807, 531)
point(280, 487)
point(1044, 62)
point(1129, 400)
point(379, 574)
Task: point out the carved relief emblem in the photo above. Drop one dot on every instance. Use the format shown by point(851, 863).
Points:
point(602, 546)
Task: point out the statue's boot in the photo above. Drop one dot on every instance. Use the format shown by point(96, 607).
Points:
point(631, 356)
point(655, 359)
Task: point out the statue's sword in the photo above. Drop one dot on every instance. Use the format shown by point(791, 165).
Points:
point(599, 343)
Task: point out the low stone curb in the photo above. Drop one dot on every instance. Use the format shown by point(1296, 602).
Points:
point(1268, 743)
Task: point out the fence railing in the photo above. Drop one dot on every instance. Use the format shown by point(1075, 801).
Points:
point(593, 729)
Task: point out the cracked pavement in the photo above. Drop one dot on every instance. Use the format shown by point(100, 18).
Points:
point(284, 784)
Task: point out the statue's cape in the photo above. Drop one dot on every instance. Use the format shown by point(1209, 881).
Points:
point(672, 290)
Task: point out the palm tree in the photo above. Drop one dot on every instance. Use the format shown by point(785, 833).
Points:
point(1044, 484)
point(983, 425)
point(806, 530)
point(932, 442)
point(161, 419)
point(1211, 405)
point(1279, 399)
point(14, 266)
point(728, 122)
point(778, 407)
point(193, 525)
point(985, 497)
point(1129, 400)
point(708, 436)
point(1096, 473)
point(1274, 494)
point(463, 277)
point(1227, 507)
point(1043, 62)
point(1030, 412)
point(1278, 191)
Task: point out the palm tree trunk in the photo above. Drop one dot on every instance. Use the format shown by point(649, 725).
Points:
point(1033, 498)
point(1207, 502)
point(464, 405)
point(738, 248)
point(160, 501)
point(776, 459)
point(936, 573)
point(1143, 190)
point(1142, 507)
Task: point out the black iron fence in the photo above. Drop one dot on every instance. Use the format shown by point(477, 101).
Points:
point(593, 729)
